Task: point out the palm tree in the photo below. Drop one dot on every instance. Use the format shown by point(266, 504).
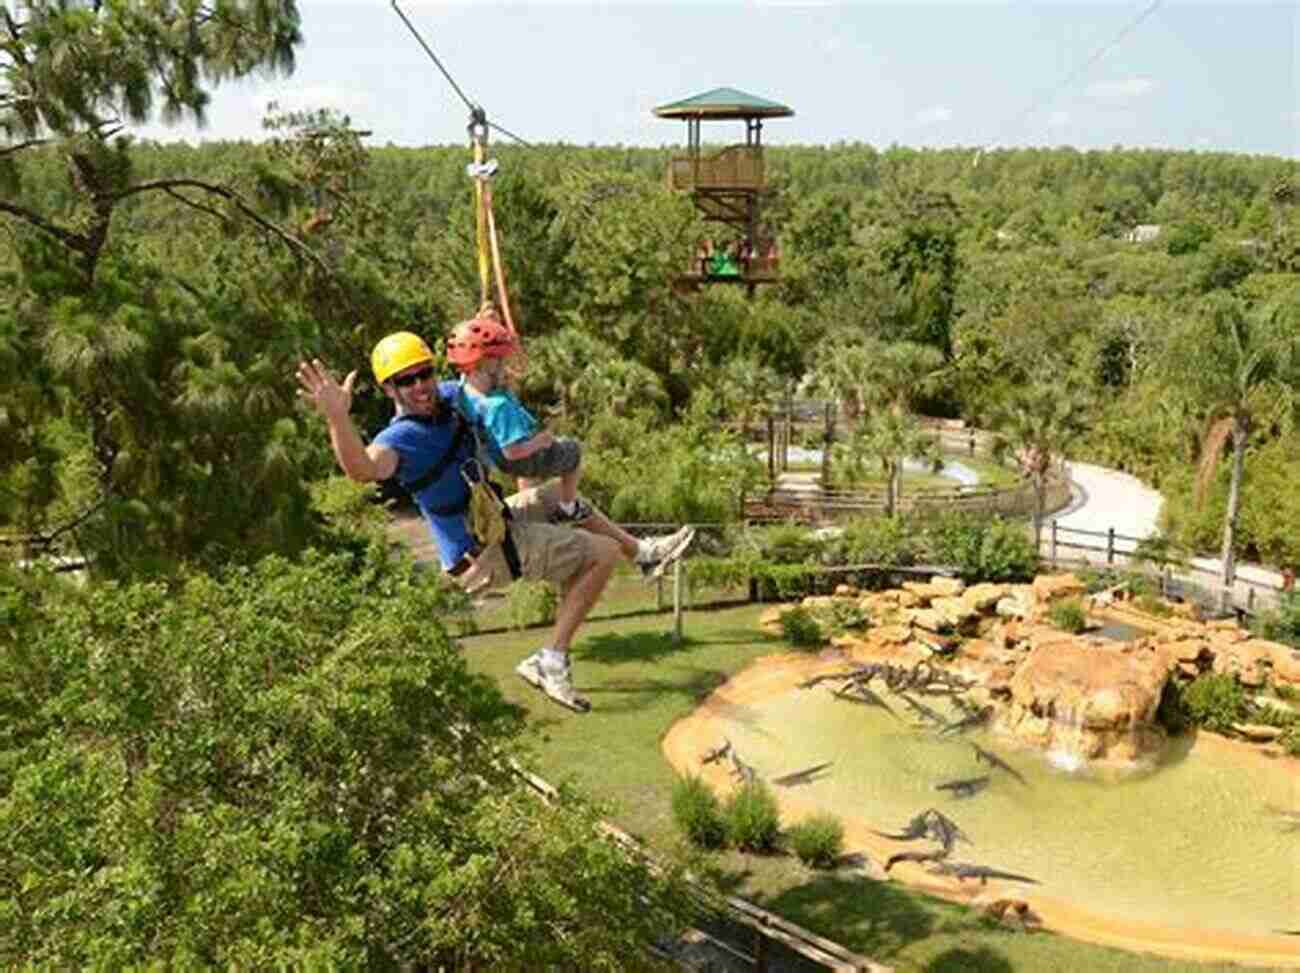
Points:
point(891, 438)
point(1236, 367)
point(557, 363)
point(1038, 423)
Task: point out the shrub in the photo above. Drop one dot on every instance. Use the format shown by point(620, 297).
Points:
point(1284, 624)
point(1068, 615)
point(1289, 693)
point(983, 548)
point(698, 813)
point(229, 772)
point(817, 841)
point(530, 603)
point(801, 629)
point(787, 544)
point(753, 820)
point(878, 540)
point(1152, 605)
point(1215, 701)
point(845, 615)
point(1099, 579)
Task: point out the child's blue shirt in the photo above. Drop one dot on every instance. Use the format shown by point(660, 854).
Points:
point(501, 416)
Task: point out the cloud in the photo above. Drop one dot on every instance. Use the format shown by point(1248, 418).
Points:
point(1058, 119)
point(934, 116)
point(1121, 88)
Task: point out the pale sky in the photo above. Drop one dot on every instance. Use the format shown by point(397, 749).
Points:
point(1176, 74)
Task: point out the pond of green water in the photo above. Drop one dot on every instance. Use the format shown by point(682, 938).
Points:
point(1196, 840)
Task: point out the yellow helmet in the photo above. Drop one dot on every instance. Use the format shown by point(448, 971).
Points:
point(399, 350)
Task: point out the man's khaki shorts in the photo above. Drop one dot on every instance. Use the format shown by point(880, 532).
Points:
point(547, 552)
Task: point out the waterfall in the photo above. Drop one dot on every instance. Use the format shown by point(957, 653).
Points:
point(1067, 751)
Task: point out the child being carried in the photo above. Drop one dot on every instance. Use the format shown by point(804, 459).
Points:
point(480, 348)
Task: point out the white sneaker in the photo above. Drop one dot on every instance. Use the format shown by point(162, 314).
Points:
point(557, 683)
point(659, 552)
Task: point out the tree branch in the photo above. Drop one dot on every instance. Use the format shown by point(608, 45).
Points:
point(74, 241)
point(11, 149)
point(76, 522)
point(215, 214)
point(292, 242)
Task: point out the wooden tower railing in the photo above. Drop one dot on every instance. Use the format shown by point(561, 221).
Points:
point(735, 167)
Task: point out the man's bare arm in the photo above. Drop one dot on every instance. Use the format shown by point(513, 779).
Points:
point(334, 401)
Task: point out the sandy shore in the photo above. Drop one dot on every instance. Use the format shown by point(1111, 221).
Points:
point(772, 675)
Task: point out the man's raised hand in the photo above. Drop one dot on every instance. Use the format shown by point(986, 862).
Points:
point(318, 387)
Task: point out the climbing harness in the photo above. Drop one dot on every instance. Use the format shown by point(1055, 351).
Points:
point(489, 515)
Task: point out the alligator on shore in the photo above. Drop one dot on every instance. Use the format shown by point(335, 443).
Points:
point(962, 871)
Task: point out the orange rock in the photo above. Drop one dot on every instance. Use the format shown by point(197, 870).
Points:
point(1049, 587)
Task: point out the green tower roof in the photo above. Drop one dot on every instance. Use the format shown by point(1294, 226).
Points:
point(724, 103)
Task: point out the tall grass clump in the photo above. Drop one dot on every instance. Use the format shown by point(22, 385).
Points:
point(698, 812)
point(1068, 615)
point(801, 629)
point(753, 819)
point(817, 841)
point(1215, 701)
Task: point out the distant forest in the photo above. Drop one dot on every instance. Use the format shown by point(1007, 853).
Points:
point(155, 296)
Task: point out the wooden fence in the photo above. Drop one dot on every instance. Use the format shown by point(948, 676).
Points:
point(764, 934)
point(1177, 578)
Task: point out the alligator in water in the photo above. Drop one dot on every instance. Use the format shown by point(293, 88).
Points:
point(961, 871)
point(863, 673)
point(966, 787)
point(858, 693)
point(741, 770)
point(722, 750)
point(977, 718)
point(805, 776)
point(924, 710)
point(993, 760)
point(916, 856)
point(930, 823)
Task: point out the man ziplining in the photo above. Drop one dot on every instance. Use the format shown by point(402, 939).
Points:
point(482, 543)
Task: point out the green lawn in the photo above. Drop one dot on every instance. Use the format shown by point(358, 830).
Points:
point(640, 683)
point(627, 594)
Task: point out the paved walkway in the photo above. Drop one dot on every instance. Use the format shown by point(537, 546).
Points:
point(1105, 498)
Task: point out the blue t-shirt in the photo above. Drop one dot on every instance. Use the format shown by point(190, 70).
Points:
point(501, 416)
point(421, 441)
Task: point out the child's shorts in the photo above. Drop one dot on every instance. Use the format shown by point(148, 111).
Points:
point(557, 459)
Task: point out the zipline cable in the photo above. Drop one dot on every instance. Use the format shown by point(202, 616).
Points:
point(474, 109)
point(480, 170)
point(1073, 75)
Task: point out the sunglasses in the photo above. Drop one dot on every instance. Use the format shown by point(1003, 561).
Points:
point(410, 378)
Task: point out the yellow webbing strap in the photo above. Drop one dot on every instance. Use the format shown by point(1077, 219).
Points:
point(502, 293)
point(481, 222)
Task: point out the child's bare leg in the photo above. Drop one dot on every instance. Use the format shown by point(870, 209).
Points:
point(569, 486)
point(598, 523)
point(524, 483)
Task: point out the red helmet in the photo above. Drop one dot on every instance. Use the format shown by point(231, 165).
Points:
point(478, 338)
